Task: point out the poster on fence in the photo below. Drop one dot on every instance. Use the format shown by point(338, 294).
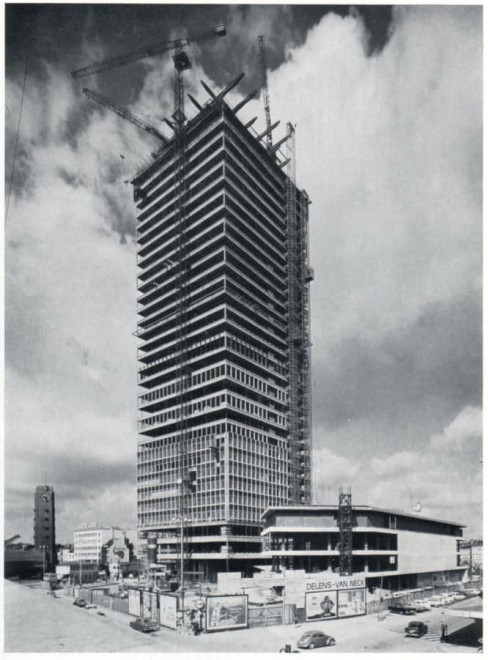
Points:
point(321, 605)
point(266, 614)
point(226, 612)
point(168, 607)
point(154, 608)
point(146, 604)
point(351, 602)
point(135, 602)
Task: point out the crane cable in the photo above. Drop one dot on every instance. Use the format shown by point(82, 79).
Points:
point(16, 140)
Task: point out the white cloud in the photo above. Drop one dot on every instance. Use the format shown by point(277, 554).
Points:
point(444, 475)
point(395, 465)
point(466, 428)
point(330, 472)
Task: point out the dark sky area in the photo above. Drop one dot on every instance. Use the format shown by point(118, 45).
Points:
point(57, 33)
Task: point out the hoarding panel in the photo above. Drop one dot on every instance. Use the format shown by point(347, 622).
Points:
point(154, 607)
point(146, 604)
point(320, 605)
point(351, 602)
point(226, 612)
point(265, 615)
point(168, 608)
point(135, 602)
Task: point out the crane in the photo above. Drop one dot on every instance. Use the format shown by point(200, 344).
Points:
point(123, 112)
point(12, 539)
point(264, 81)
point(180, 59)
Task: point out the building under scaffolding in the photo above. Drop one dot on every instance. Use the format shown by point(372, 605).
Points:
point(224, 429)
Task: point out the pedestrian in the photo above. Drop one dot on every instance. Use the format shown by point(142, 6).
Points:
point(443, 631)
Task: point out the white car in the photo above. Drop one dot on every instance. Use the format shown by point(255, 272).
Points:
point(450, 598)
point(473, 592)
point(420, 605)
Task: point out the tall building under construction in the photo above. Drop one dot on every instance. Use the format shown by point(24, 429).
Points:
point(224, 352)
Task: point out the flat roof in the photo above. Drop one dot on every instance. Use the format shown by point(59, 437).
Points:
point(357, 507)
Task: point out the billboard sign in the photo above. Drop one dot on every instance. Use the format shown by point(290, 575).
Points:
point(338, 582)
point(168, 607)
point(135, 602)
point(351, 602)
point(320, 605)
point(226, 612)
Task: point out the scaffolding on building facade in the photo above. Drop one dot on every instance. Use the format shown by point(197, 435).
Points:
point(346, 523)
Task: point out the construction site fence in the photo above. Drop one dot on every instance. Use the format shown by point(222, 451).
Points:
point(100, 598)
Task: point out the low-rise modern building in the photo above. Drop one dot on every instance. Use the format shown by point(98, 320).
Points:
point(90, 538)
point(392, 549)
point(471, 554)
point(66, 554)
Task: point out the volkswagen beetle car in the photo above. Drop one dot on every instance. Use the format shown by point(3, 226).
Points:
point(416, 629)
point(80, 602)
point(315, 638)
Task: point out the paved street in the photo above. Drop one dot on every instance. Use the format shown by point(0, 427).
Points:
point(35, 622)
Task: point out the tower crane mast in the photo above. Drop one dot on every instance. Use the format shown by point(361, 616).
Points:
point(264, 82)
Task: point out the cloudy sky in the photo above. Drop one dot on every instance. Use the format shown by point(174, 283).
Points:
point(387, 107)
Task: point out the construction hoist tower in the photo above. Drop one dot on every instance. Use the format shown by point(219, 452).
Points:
point(346, 524)
point(299, 277)
point(265, 88)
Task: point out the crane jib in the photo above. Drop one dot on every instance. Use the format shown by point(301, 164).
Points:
point(142, 53)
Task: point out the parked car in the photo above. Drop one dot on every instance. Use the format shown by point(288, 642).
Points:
point(449, 598)
point(472, 591)
point(315, 638)
point(144, 625)
point(80, 602)
point(416, 629)
point(402, 608)
point(420, 605)
point(436, 601)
